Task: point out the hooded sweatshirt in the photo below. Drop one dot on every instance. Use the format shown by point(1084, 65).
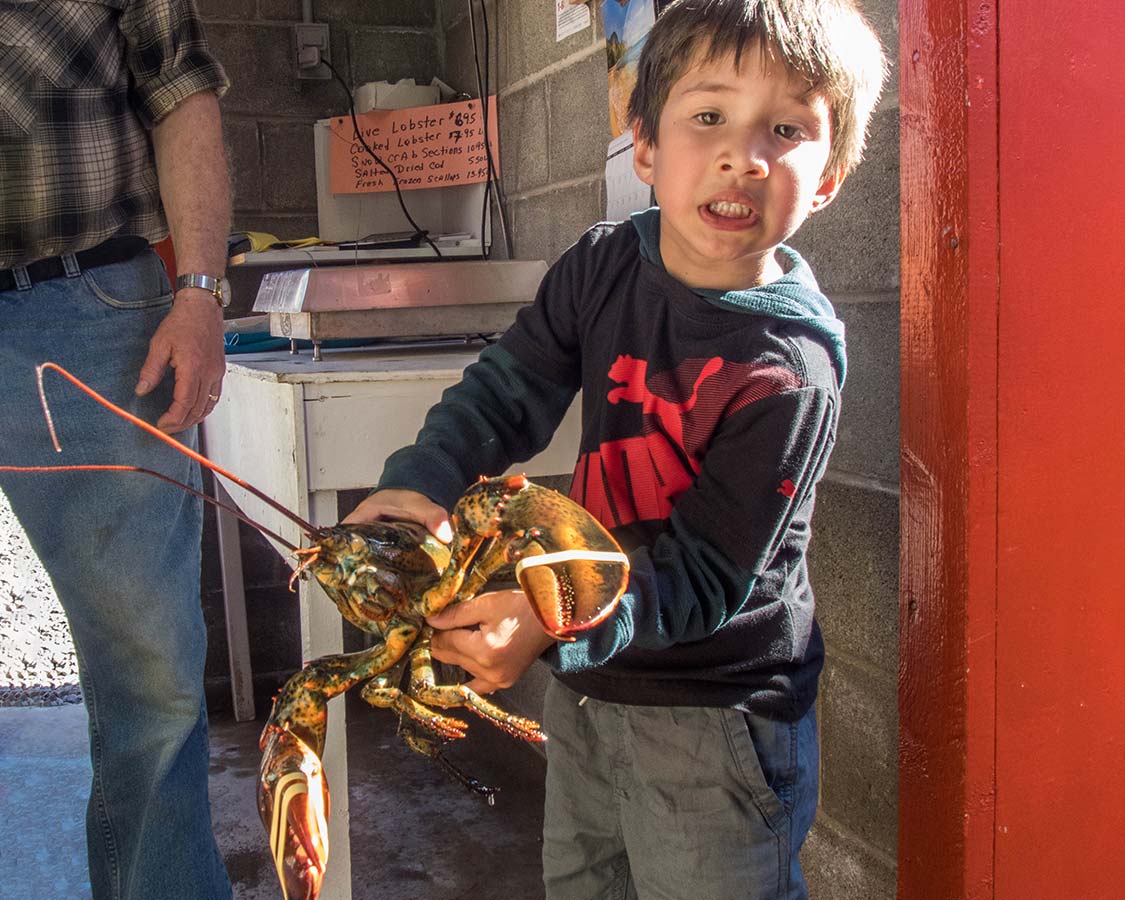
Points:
point(707, 420)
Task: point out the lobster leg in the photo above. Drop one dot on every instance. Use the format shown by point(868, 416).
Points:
point(456, 586)
point(423, 685)
point(384, 692)
point(293, 797)
point(489, 559)
point(422, 730)
point(429, 746)
point(462, 551)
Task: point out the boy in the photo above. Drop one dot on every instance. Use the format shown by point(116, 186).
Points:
point(682, 760)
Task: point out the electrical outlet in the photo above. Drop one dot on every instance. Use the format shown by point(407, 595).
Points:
point(310, 40)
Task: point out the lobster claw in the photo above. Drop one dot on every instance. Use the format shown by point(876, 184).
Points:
point(293, 804)
point(573, 590)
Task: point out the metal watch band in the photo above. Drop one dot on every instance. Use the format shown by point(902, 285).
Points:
point(206, 282)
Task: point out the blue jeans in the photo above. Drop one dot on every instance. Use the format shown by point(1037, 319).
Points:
point(674, 803)
point(123, 553)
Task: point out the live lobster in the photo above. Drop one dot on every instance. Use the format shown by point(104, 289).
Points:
point(385, 578)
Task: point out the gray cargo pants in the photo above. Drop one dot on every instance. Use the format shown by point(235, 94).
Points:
point(674, 803)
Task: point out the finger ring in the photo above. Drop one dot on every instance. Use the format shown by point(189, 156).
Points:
point(214, 398)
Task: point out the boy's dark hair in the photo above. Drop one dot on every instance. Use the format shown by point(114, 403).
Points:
point(829, 43)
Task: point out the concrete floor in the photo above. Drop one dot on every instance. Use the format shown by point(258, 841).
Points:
point(416, 834)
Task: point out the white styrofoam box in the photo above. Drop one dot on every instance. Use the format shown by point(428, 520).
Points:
point(349, 217)
point(402, 94)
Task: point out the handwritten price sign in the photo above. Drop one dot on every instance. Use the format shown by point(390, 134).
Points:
point(426, 146)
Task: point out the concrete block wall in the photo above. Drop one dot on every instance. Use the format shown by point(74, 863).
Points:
point(853, 246)
point(554, 125)
point(554, 121)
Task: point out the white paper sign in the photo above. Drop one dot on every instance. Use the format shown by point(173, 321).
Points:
point(570, 18)
point(625, 193)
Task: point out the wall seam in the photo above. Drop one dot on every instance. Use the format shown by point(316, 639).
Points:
point(857, 298)
point(553, 186)
point(872, 670)
point(826, 820)
point(866, 482)
point(555, 67)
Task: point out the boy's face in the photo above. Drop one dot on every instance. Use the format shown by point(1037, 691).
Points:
point(737, 166)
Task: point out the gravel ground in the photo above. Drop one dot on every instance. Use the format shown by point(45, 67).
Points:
point(37, 662)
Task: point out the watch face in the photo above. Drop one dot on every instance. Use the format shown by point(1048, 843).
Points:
point(225, 296)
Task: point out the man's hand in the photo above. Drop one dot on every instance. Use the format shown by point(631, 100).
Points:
point(494, 636)
point(190, 341)
point(403, 506)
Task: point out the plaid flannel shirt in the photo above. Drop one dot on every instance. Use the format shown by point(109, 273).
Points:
point(81, 84)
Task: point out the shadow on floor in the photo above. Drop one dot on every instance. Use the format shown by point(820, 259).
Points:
point(416, 834)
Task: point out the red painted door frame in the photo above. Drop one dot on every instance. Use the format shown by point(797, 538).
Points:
point(1012, 672)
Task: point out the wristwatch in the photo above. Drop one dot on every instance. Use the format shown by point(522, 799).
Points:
point(218, 287)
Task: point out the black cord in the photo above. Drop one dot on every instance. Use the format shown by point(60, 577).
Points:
point(484, 253)
point(502, 202)
point(419, 232)
point(493, 176)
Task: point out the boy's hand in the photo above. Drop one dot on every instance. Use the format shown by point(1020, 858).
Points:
point(494, 636)
point(401, 505)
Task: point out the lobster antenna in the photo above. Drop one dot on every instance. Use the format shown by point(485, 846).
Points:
point(160, 435)
point(234, 511)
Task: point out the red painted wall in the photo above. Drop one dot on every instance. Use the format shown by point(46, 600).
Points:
point(1060, 686)
point(1012, 676)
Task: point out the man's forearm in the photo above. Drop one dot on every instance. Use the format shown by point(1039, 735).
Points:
point(194, 184)
point(196, 192)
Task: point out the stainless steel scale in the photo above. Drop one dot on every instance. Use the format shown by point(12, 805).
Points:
point(397, 300)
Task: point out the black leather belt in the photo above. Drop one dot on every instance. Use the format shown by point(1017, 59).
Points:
point(115, 250)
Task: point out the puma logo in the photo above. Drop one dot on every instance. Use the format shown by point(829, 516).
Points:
point(658, 395)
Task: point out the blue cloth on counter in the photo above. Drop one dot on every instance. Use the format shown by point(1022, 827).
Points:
point(263, 341)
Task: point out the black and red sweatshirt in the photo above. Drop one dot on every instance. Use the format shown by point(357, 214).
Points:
point(707, 420)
